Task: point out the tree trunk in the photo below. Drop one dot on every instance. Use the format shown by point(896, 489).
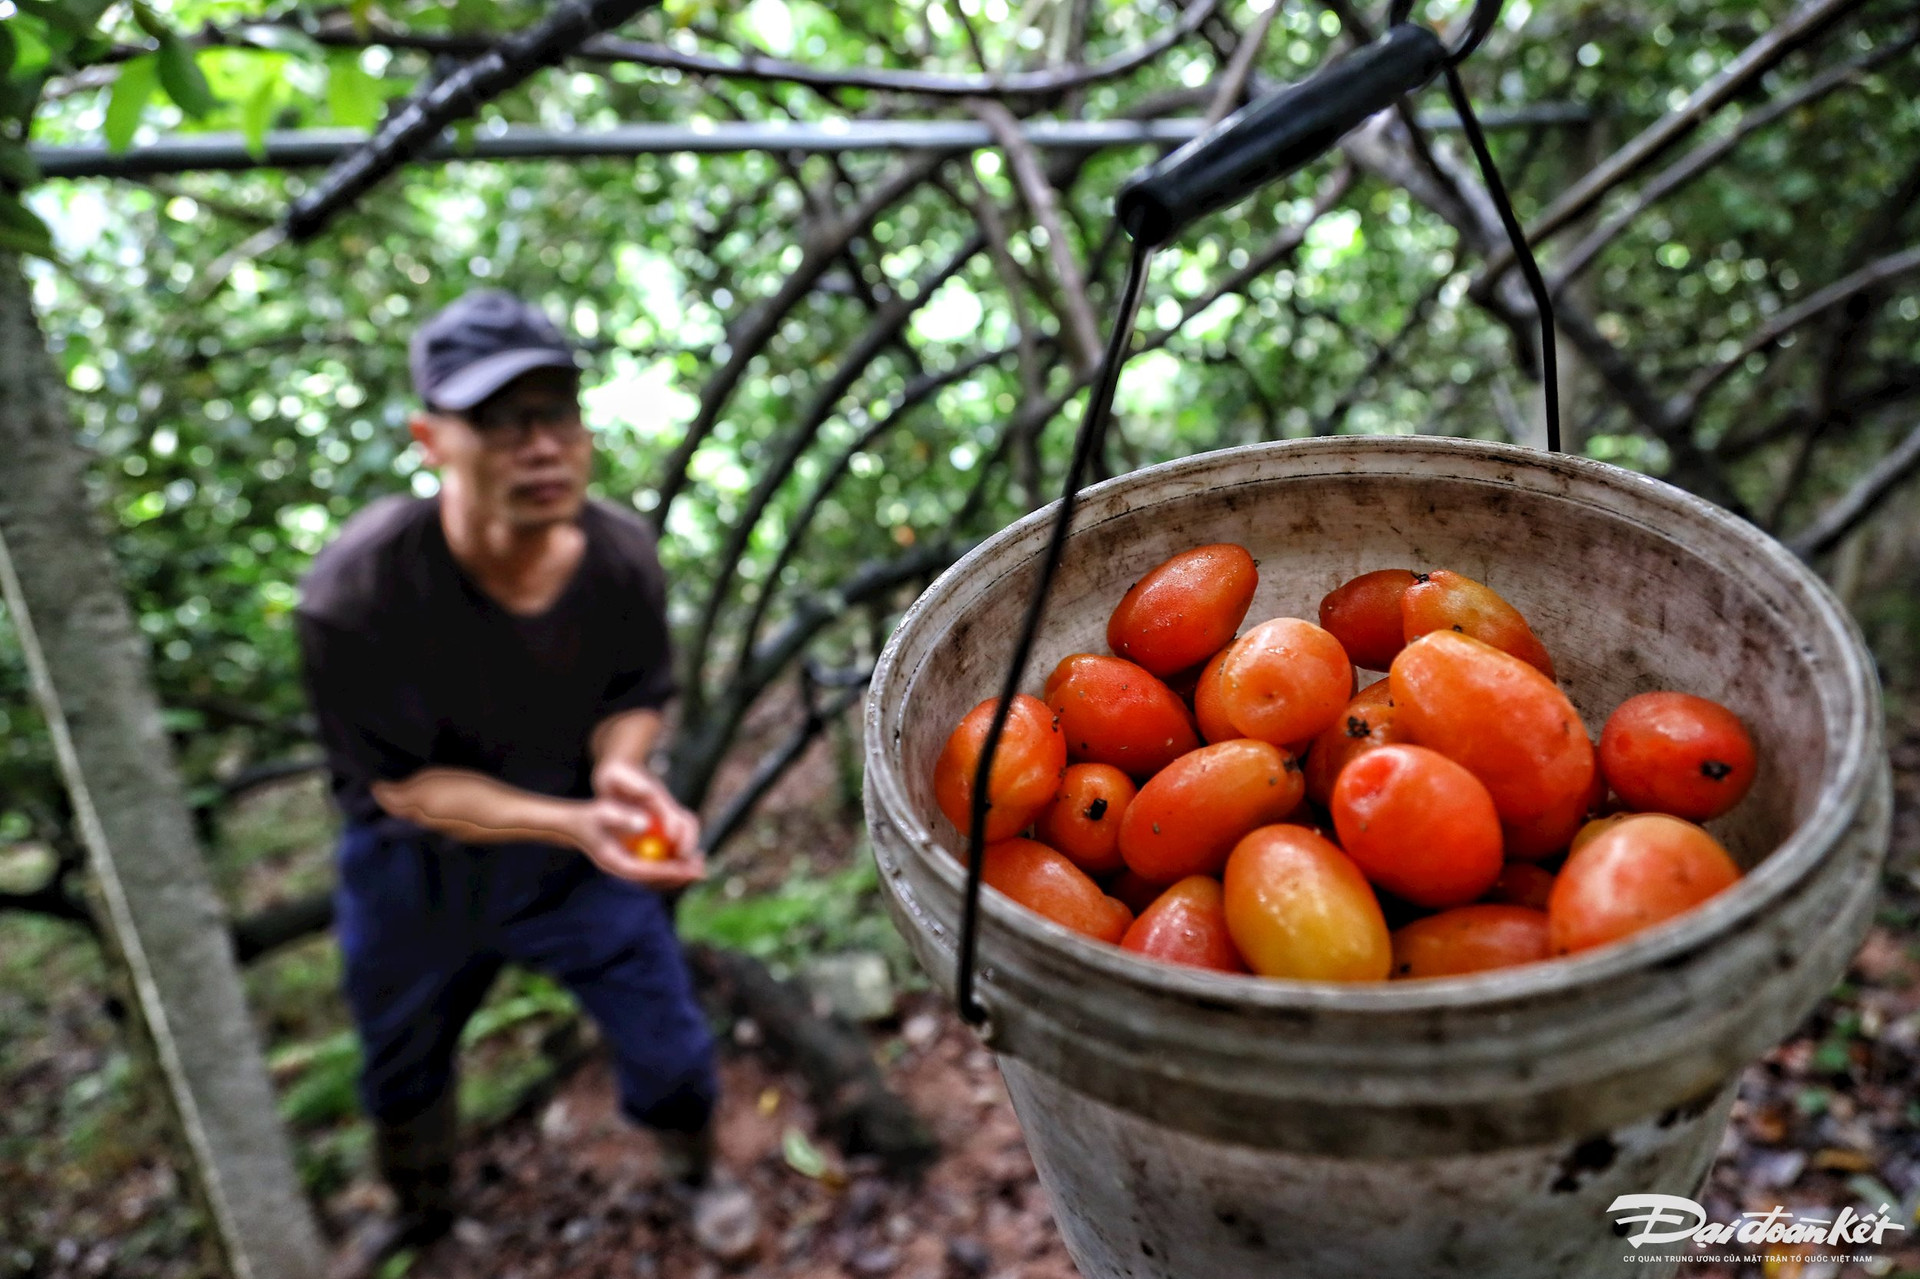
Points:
point(91, 679)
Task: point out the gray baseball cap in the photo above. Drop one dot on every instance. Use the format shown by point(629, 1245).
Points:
point(479, 343)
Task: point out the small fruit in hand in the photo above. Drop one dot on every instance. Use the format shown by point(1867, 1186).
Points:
point(1187, 924)
point(1470, 939)
point(1185, 609)
point(1285, 681)
point(1676, 753)
point(1418, 825)
point(1026, 767)
point(1364, 615)
point(1446, 601)
point(1298, 907)
point(1633, 875)
point(1048, 884)
point(649, 846)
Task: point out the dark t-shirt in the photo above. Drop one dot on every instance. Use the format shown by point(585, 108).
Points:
point(408, 664)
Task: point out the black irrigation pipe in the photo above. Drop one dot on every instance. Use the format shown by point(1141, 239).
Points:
point(310, 148)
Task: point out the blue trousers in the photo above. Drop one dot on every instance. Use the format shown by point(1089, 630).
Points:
point(426, 924)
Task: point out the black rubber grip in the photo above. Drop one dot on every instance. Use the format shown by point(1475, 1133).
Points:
point(1274, 137)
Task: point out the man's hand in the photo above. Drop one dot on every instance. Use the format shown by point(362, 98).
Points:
point(630, 784)
point(603, 829)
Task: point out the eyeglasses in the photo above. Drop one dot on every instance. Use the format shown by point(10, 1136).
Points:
point(510, 425)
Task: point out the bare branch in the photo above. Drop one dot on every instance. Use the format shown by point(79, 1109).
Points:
point(1081, 331)
point(1860, 501)
point(701, 743)
point(1804, 23)
point(461, 94)
point(1233, 80)
point(774, 765)
point(1687, 404)
point(917, 392)
point(880, 334)
point(1705, 156)
point(752, 331)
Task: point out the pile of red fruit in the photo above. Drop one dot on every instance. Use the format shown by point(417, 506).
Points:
point(1263, 813)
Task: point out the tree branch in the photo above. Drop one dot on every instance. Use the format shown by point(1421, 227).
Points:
point(753, 330)
point(917, 392)
point(881, 334)
point(1891, 267)
point(1860, 501)
point(420, 123)
point(1799, 26)
point(775, 763)
point(1080, 330)
point(1708, 154)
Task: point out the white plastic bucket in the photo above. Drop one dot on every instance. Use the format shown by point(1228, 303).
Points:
point(1192, 1125)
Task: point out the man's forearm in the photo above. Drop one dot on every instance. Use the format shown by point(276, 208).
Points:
point(478, 809)
point(628, 738)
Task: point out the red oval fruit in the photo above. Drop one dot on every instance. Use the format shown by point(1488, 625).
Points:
point(1187, 924)
point(1418, 825)
point(1522, 884)
point(1298, 907)
point(1676, 753)
point(1446, 601)
point(1026, 767)
point(1136, 893)
point(1083, 821)
point(1538, 838)
point(1113, 712)
point(1470, 939)
point(1363, 613)
point(1285, 681)
point(1185, 609)
point(1048, 884)
point(1188, 816)
point(1208, 710)
point(1369, 721)
point(1497, 717)
point(1636, 873)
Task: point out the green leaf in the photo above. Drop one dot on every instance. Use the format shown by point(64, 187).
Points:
point(802, 1155)
point(362, 11)
point(282, 40)
point(256, 117)
point(22, 231)
point(136, 84)
point(31, 52)
point(64, 15)
point(181, 77)
point(17, 165)
point(472, 17)
point(353, 96)
point(7, 48)
point(149, 20)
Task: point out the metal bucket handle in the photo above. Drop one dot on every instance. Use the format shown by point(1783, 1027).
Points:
point(1257, 145)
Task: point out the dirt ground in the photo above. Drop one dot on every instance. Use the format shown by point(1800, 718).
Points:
point(1828, 1119)
point(575, 1192)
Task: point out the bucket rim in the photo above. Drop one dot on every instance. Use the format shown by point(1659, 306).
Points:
point(1844, 788)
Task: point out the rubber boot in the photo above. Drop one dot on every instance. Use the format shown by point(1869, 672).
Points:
point(415, 1159)
point(722, 1213)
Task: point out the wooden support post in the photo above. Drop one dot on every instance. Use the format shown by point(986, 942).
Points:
point(91, 679)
